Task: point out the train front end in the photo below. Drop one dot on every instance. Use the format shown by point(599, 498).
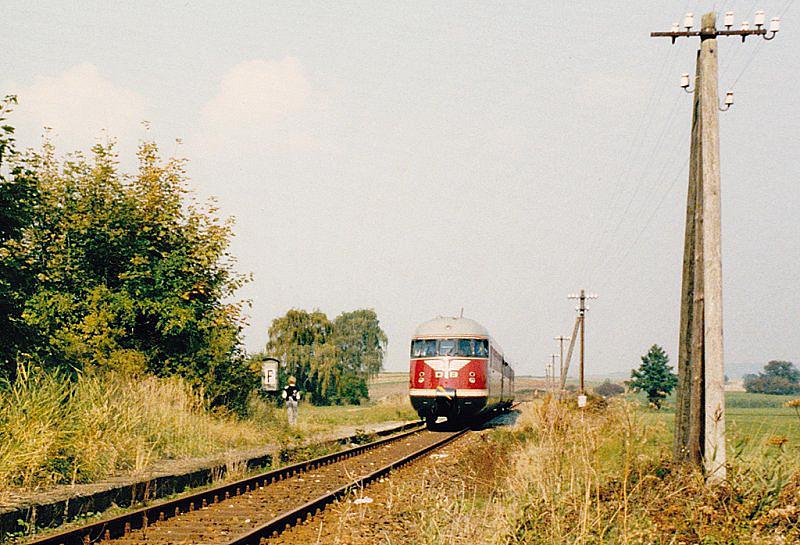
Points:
point(449, 369)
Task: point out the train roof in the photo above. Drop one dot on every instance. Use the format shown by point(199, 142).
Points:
point(445, 326)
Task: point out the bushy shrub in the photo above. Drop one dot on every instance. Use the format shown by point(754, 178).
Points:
point(609, 389)
point(106, 270)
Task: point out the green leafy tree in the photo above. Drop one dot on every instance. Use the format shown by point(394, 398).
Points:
point(778, 377)
point(332, 361)
point(360, 347)
point(18, 201)
point(654, 376)
point(123, 271)
point(299, 340)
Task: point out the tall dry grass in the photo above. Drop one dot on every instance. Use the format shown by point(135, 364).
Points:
point(570, 462)
point(59, 431)
point(588, 477)
point(604, 476)
point(54, 430)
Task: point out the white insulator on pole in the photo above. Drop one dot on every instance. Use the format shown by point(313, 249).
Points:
point(728, 19)
point(729, 99)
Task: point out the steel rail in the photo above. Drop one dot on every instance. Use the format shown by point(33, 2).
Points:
point(121, 525)
point(285, 520)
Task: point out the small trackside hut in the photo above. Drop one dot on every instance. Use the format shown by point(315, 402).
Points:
point(457, 370)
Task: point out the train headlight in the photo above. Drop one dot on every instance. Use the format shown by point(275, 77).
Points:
point(421, 373)
point(421, 379)
point(472, 373)
point(472, 380)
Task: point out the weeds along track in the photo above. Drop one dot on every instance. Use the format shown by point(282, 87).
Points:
point(246, 511)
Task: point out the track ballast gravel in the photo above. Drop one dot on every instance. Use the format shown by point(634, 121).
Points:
point(220, 522)
point(427, 501)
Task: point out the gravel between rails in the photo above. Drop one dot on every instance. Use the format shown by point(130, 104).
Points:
point(430, 500)
point(220, 522)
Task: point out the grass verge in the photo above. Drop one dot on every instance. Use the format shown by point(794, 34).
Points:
point(56, 431)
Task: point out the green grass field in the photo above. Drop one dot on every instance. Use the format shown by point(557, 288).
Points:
point(754, 422)
point(390, 408)
point(745, 400)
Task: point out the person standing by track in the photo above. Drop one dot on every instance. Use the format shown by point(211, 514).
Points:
point(291, 395)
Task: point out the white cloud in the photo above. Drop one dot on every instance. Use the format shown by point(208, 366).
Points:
point(262, 104)
point(81, 106)
point(259, 91)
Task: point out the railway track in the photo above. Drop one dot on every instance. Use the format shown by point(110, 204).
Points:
point(249, 510)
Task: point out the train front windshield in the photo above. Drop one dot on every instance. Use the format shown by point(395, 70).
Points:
point(429, 348)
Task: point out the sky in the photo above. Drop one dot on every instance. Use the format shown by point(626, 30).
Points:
point(423, 157)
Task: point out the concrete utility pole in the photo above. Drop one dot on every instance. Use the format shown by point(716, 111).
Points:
point(553, 372)
point(582, 308)
point(712, 256)
point(562, 377)
point(700, 414)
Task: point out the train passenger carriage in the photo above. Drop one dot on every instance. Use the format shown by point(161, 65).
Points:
point(457, 370)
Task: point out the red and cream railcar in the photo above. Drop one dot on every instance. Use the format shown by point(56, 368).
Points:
point(457, 370)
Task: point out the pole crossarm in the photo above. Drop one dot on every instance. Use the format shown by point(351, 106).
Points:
point(708, 29)
point(709, 33)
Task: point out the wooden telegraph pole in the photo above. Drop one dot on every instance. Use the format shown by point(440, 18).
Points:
point(565, 364)
point(547, 371)
point(700, 411)
point(581, 323)
point(562, 376)
point(686, 445)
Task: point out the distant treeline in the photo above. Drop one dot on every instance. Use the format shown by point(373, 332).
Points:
point(778, 377)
